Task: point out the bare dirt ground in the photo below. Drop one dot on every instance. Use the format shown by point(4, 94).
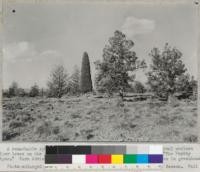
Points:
point(87, 118)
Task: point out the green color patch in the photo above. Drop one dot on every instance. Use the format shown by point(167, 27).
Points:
point(130, 159)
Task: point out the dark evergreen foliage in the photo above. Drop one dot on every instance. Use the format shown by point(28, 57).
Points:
point(86, 81)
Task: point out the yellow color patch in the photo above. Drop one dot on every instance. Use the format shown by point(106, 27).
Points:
point(117, 159)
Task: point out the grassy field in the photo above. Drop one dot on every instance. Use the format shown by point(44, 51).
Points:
point(87, 118)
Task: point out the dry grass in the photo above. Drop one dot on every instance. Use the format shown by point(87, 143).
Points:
point(87, 118)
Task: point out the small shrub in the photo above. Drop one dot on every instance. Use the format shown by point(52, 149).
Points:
point(50, 107)
point(28, 118)
point(56, 119)
point(13, 89)
point(16, 124)
point(21, 92)
point(43, 128)
point(190, 138)
point(192, 123)
point(74, 116)
point(120, 103)
point(56, 130)
point(164, 120)
point(126, 110)
point(34, 91)
point(90, 136)
point(133, 125)
point(138, 87)
point(63, 138)
point(8, 135)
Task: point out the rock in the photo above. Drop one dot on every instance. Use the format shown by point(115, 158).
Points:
point(8, 135)
point(89, 136)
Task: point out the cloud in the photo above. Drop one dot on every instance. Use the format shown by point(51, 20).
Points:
point(25, 51)
point(134, 26)
point(16, 51)
point(49, 53)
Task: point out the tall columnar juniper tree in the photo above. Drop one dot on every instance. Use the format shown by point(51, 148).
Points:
point(167, 73)
point(115, 71)
point(86, 81)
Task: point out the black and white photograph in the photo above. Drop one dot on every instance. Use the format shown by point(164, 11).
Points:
point(100, 72)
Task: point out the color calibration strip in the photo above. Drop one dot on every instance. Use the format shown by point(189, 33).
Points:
point(116, 155)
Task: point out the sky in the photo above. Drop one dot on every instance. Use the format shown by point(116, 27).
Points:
point(39, 36)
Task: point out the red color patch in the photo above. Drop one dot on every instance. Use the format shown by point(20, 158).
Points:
point(104, 159)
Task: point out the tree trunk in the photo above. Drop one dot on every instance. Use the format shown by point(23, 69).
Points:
point(172, 100)
point(121, 94)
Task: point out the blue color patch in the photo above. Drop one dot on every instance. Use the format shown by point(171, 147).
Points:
point(142, 159)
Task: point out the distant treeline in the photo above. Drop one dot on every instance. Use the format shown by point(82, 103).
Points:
point(115, 73)
point(72, 88)
point(60, 83)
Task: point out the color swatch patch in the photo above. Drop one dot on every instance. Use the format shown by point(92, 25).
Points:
point(92, 159)
point(104, 154)
point(142, 159)
point(104, 159)
point(130, 159)
point(117, 159)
